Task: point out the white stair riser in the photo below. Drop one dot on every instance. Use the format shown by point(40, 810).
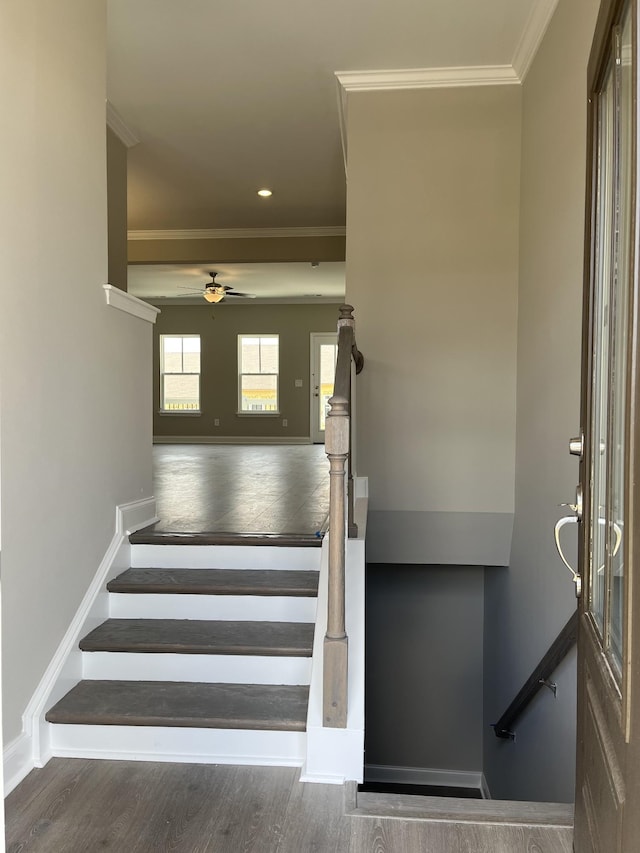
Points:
point(224, 557)
point(185, 745)
point(261, 608)
point(211, 669)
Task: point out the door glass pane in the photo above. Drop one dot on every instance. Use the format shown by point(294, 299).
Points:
point(328, 355)
point(600, 399)
point(619, 339)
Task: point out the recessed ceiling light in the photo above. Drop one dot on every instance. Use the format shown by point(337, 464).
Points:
point(265, 193)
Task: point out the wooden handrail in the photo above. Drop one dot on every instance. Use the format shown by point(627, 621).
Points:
point(338, 448)
point(555, 654)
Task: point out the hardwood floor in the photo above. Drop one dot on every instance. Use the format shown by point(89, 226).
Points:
point(241, 489)
point(82, 806)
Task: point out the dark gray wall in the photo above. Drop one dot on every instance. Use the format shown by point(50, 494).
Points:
point(219, 327)
point(424, 669)
point(117, 210)
point(540, 763)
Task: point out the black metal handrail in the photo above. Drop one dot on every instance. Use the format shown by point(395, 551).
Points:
point(556, 653)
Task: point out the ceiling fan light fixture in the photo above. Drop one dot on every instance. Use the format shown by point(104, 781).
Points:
point(213, 295)
point(265, 193)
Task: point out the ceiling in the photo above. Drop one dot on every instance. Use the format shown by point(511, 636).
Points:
point(227, 96)
point(269, 283)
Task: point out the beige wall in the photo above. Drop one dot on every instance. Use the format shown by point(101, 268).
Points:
point(219, 327)
point(528, 606)
point(117, 209)
point(238, 250)
point(75, 424)
point(432, 253)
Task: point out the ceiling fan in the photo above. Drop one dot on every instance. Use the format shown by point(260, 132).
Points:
point(214, 292)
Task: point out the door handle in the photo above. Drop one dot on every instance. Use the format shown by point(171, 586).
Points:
point(575, 576)
point(574, 519)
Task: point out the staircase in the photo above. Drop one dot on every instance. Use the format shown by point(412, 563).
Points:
point(205, 657)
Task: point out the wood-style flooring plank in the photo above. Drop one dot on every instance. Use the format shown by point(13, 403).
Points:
point(201, 636)
point(265, 707)
point(82, 806)
point(251, 490)
point(216, 582)
point(314, 820)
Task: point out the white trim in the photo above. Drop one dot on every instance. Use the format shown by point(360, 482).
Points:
point(120, 127)
point(394, 79)
point(237, 233)
point(297, 558)
point(223, 608)
point(17, 761)
point(134, 515)
point(315, 342)
point(32, 747)
point(208, 669)
point(539, 19)
point(423, 776)
point(130, 304)
point(336, 755)
point(231, 439)
point(181, 745)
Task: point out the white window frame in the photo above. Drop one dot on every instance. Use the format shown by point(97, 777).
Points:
point(256, 413)
point(163, 373)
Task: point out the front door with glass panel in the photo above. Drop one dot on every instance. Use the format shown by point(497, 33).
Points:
point(608, 768)
point(324, 351)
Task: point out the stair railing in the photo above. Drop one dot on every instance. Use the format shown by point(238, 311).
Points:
point(338, 446)
point(539, 678)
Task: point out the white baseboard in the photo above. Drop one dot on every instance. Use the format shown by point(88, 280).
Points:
point(32, 747)
point(423, 776)
point(231, 439)
point(17, 761)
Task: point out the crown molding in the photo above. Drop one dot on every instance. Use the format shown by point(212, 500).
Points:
point(119, 127)
point(237, 233)
point(399, 79)
point(426, 78)
point(533, 33)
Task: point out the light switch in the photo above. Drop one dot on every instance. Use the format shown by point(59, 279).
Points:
point(298, 383)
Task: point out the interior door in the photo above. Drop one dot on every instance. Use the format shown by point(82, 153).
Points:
point(324, 351)
point(607, 816)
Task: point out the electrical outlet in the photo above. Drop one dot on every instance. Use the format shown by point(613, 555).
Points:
point(285, 422)
point(216, 421)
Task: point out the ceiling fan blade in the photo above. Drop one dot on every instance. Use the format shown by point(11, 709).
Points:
point(242, 295)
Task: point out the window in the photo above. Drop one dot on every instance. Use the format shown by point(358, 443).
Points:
point(180, 373)
point(258, 358)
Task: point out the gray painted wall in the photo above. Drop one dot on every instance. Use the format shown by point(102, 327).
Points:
point(424, 666)
point(76, 425)
point(219, 327)
point(527, 606)
point(432, 260)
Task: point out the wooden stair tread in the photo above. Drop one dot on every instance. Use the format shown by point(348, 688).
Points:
point(150, 536)
point(184, 704)
point(201, 636)
point(217, 582)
